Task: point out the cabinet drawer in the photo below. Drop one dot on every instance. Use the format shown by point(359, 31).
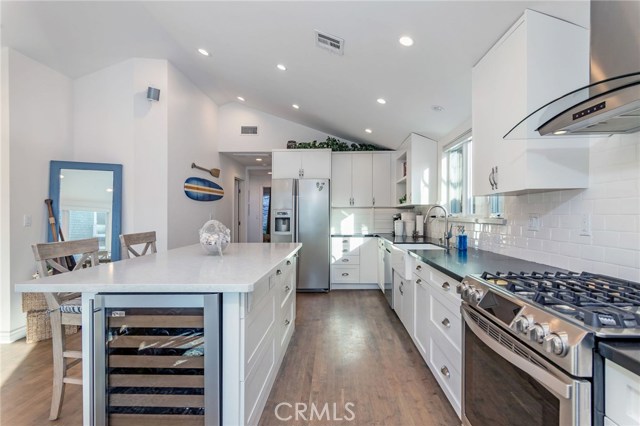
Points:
point(259, 326)
point(446, 369)
point(445, 321)
point(287, 320)
point(444, 285)
point(347, 260)
point(621, 394)
point(345, 274)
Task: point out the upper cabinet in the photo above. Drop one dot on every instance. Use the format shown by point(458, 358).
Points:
point(537, 60)
point(416, 180)
point(301, 164)
point(361, 179)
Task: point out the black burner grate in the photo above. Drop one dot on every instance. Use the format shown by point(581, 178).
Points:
point(596, 300)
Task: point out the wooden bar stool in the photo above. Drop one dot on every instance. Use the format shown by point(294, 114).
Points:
point(64, 308)
point(127, 241)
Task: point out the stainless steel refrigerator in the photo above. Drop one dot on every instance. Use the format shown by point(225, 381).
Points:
point(300, 210)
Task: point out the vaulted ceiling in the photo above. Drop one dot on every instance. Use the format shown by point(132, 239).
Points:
point(246, 40)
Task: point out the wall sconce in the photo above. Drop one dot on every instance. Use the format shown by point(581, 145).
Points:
point(153, 94)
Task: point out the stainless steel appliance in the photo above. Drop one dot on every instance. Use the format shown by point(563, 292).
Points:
point(529, 342)
point(156, 358)
point(611, 103)
point(300, 212)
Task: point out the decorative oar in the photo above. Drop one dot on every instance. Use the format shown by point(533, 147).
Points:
point(214, 172)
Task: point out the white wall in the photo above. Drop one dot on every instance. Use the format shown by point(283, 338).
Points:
point(114, 123)
point(273, 132)
point(39, 130)
point(612, 203)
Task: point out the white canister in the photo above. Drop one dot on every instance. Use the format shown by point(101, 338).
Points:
point(398, 228)
point(409, 227)
point(419, 224)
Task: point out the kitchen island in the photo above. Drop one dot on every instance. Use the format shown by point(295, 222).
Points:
point(251, 289)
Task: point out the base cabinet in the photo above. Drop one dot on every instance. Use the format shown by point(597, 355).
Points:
point(621, 395)
point(354, 263)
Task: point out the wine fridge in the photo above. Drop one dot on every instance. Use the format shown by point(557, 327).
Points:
point(156, 359)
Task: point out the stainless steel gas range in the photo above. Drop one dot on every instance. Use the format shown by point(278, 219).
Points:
point(530, 345)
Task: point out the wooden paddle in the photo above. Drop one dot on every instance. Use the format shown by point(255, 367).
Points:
point(68, 261)
point(214, 172)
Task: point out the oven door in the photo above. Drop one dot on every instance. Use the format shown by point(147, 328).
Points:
point(506, 383)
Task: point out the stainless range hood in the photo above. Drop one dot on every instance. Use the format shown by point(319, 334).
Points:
point(611, 103)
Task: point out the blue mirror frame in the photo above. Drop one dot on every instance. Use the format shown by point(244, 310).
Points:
point(116, 219)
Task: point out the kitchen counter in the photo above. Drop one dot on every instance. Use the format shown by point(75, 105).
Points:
point(624, 353)
point(182, 270)
point(457, 264)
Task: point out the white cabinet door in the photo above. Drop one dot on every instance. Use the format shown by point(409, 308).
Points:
point(341, 180)
point(421, 331)
point(537, 60)
point(361, 184)
point(316, 164)
point(286, 164)
point(368, 261)
point(381, 179)
point(621, 394)
point(408, 308)
point(380, 253)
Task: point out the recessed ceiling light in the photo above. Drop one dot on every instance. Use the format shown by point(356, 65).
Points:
point(406, 41)
point(296, 106)
point(437, 108)
point(281, 67)
point(560, 132)
point(258, 159)
point(109, 190)
point(381, 101)
point(368, 130)
point(240, 98)
point(203, 52)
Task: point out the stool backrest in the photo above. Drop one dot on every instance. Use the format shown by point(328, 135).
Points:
point(127, 241)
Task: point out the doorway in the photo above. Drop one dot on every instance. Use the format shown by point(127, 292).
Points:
point(266, 214)
point(238, 210)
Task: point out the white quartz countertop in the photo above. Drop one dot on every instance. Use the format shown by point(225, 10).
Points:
point(182, 270)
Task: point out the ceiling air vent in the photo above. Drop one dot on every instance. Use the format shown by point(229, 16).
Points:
point(248, 130)
point(329, 42)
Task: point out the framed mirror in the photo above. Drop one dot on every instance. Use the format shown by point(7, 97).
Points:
point(87, 203)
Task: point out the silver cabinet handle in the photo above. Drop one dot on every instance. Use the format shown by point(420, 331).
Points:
point(345, 241)
point(278, 272)
point(345, 260)
point(418, 281)
point(374, 201)
point(288, 262)
point(345, 274)
point(286, 289)
point(446, 323)
point(401, 292)
point(418, 268)
point(344, 250)
point(445, 371)
point(446, 286)
point(287, 322)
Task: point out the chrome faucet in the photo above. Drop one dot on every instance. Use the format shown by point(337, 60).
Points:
point(447, 234)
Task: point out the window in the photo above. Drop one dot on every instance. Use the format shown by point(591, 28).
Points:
point(456, 186)
point(456, 166)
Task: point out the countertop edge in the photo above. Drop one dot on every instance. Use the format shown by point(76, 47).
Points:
point(619, 353)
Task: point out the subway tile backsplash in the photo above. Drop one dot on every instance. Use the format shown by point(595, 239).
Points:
point(611, 204)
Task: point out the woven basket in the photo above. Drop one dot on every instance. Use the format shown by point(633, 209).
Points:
point(39, 326)
point(33, 302)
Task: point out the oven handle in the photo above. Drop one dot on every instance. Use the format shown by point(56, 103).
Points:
point(546, 379)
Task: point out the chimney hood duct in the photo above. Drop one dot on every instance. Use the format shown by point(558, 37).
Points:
point(611, 102)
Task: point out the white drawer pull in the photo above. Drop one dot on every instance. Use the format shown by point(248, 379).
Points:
point(345, 260)
point(446, 323)
point(345, 274)
point(445, 372)
point(446, 286)
point(287, 322)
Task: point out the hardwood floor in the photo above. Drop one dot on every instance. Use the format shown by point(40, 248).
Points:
point(26, 376)
point(348, 347)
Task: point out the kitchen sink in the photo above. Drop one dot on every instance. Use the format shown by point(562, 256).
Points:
point(419, 246)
